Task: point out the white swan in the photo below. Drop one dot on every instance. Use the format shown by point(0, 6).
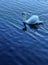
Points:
point(34, 19)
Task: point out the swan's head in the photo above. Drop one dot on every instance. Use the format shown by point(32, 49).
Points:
point(24, 14)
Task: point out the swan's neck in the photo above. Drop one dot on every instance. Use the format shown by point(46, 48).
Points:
point(24, 19)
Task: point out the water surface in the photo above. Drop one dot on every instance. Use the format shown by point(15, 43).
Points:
point(16, 46)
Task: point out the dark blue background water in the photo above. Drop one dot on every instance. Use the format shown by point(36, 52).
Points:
point(16, 46)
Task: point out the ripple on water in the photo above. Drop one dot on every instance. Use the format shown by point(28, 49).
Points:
point(20, 47)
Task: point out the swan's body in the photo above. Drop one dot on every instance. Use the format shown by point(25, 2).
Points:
point(33, 20)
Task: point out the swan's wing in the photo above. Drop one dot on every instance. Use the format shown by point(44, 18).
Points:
point(37, 22)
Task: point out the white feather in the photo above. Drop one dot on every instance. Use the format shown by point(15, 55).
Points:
point(33, 20)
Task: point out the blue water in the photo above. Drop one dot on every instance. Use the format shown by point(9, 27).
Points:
point(18, 47)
